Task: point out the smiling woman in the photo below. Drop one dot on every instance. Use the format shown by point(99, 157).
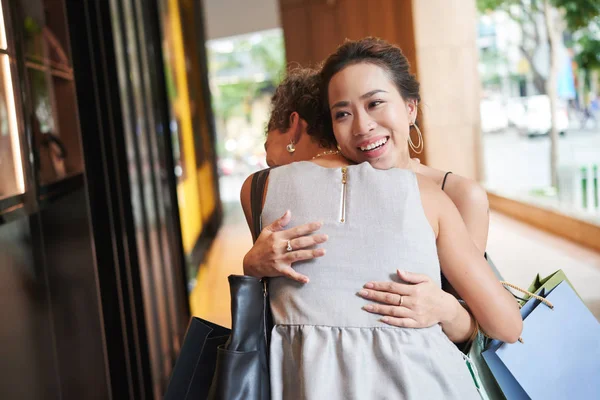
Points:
point(364, 111)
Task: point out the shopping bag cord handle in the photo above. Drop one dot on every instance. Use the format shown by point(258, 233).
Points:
point(535, 296)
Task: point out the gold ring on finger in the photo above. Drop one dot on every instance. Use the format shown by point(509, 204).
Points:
point(401, 301)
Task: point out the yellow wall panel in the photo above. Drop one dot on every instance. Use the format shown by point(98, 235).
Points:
point(207, 193)
point(189, 198)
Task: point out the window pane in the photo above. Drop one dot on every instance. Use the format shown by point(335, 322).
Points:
point(32, 13)
point(54, 125)
point(53, 116)
point(44, 28)
point(525, 101)
point(11, 172)
point(42, 107)
point(2, 29)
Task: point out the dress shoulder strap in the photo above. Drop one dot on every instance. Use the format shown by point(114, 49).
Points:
point(445, 177)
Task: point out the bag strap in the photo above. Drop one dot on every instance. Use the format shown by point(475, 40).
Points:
point(259, 180)
point(528, 293)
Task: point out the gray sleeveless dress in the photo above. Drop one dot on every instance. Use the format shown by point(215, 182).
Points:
point(323, 345)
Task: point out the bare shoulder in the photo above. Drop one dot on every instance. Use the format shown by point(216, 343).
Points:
point(433, 199)
point(465, 192)
point(429, 187)
point(472, 203)
point(245, 194)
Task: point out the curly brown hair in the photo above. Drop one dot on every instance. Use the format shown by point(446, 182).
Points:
point(299, 92)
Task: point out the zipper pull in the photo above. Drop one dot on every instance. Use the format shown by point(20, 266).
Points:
point(343, 200)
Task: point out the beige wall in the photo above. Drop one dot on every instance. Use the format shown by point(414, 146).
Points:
point(226, 18)
point(445, 43)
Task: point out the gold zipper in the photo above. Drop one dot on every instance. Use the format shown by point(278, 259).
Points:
point(343, 200)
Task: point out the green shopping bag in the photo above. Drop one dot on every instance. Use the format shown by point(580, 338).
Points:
point(548, 283)
point(482, 376)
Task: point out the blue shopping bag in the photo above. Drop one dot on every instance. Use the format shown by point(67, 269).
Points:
point(559, 357)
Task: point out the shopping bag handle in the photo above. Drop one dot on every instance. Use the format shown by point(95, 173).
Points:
point(535, 296)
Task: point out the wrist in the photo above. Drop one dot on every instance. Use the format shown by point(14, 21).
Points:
point(247, 265)
point(451, 309)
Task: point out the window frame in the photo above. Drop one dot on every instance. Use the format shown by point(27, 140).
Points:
point(36, 196)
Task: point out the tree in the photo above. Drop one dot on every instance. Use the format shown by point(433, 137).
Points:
point(546, 20)
point(587, 42)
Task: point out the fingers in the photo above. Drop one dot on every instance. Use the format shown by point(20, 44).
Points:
point(302, 255)
point(281, 223)
point(292, 274)
point(308, 241)
point(302, 230)
point(391, 287)
point(401, 322)
point(412, 277)
point(391, 311)
point(385, 297)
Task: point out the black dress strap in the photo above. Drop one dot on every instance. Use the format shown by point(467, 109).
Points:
point(445, 177)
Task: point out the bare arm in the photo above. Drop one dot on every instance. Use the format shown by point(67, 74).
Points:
point(472, 203)
point(494, 307)
point(469, 198)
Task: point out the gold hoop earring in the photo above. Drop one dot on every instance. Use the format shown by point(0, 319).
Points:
point(421, 145)
point(290, 147)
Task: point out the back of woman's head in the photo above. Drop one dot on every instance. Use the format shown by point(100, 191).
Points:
point(373, 51)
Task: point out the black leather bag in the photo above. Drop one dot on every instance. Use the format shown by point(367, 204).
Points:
point(242, 368)
point(220, 364)
point(195, 366)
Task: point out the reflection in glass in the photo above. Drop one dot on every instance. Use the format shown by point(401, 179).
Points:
point(52, 116)
point(42, 107)
point(45, 35)
point(33, 22)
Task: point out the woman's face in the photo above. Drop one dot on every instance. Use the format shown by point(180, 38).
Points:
point(371, 121)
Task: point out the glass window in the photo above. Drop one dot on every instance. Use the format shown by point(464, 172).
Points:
point(11, 170)
point(3, 43)
point(52, 114)
point(541, 119)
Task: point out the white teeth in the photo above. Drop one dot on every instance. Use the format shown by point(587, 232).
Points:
point(372, 146)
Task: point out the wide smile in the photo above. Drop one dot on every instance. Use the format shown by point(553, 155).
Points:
point(374, 148)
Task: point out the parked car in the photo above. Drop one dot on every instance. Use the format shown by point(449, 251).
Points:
point(537, 119)
point(494, 117)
